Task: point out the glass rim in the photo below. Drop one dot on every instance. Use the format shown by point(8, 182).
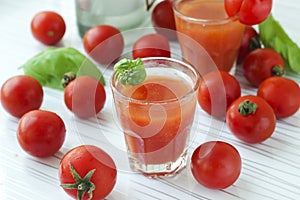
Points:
point(161, 102)
point(201, 20)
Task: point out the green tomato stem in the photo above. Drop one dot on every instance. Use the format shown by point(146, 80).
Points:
point(277, 71)
point(67, 78)
point(255, 43)
point(247, 108)
point(82, 185)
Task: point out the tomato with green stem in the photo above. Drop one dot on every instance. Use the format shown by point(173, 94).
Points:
point(216, 164)
point(261, 64)
point(282, 94)
point(251, 119)
point(250, 12)
point(250, 42)
point(41, 133)
point(48, 27)
point(21, 94)
point(87, 172)
point(85, 96)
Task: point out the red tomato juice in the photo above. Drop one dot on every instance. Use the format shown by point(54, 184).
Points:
point(207, 23)
point(157, 120)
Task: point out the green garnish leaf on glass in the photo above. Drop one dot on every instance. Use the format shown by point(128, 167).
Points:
point(130, 72)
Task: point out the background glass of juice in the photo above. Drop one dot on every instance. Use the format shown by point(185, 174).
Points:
point(206, 22)
point(156, 116)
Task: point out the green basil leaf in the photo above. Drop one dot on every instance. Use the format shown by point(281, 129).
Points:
point(273, 36)
point(130, 72)
point(136, 75)
point(49, 66)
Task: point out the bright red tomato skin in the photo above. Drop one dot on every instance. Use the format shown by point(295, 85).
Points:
point(233, 7)
point(151, 45)
point(282, 94)
point(41, 133)
point(216, 164)
point(85, 96)
point(252, 128)
point(250, 12)
point(85, 158)
point(212, 89)
point(258, 65)
point(21, 94)
point(163, 20)
point(48, 27)
point(104, 43)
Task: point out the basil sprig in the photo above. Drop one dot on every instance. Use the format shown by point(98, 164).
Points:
point(130, 72)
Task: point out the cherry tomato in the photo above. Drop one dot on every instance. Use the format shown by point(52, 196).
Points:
point(151, 45)
point(93, 165)
point(250, 42)
point(282, 94)
point(163, 20)
point(20, 94)
point(48, 27)
point(250, 12)
point(216, 164)
point(85, 96)
point(217, 90)
point(104, 43)
point(251, 119)
point(261, 64)
point(41, 133)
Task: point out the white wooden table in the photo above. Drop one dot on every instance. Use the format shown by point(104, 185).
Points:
point(271, 170)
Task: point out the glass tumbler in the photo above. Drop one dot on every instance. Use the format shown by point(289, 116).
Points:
point(206, 22)
point(157, 115)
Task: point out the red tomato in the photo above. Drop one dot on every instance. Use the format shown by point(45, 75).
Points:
point(104, 43)
point(250, 12)
point(282, 94)
point(151, 45)
point(216, 164)
point(217, 90)
point(91, 163)
point(261, 64)
point(251, 119)
point(250, 42)
point(48, 27)
point(163, 20)
point(233, 6)
point(41, 133)
point(21, 94)
point(85, 96)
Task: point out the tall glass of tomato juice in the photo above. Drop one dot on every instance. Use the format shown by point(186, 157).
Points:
point(156, 116)
point(206, 22)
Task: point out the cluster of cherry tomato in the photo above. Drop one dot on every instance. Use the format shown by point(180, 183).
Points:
point(41, 133)
point(264, 68)
point(251, 118)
